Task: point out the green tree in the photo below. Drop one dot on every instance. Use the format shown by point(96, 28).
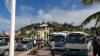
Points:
point(89, 2)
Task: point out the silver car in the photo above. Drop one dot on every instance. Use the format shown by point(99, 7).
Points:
point(4, 48)
point(24, 45)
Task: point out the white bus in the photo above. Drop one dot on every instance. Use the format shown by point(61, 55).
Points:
point(76, 44)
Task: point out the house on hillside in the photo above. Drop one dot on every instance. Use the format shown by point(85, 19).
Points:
point(42, 33)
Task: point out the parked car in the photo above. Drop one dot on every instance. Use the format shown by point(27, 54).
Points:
point(4, 48)
point(24, 45)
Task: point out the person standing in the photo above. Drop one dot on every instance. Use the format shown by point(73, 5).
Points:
point(39, 44)
point(52, 44)
point(96, 47)
point(34, 42)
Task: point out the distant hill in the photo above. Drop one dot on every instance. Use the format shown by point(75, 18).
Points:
point(57, 27)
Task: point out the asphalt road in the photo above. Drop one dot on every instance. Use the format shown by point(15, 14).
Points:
point(42, 52)
point(22, 53)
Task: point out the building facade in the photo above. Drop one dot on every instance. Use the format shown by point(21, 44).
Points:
point(42, 33)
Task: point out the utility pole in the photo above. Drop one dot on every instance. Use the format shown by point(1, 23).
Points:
point(12, 29)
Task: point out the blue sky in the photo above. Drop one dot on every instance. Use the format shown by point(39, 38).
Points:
point(49, 10)
point(45, 5)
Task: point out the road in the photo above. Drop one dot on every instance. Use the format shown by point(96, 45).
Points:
point(22, 53)
point(46, 52)
point(42, 52)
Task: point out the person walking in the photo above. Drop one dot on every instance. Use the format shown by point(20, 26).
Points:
point(39, 44)
point(34, 43)
point(96, 47)
point(52, 44)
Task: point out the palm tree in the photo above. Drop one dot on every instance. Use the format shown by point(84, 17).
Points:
point(93, 16)
point(89, 2)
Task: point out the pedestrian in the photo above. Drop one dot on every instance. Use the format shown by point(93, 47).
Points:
point(35, 46)
point(34, 43)
point(96, 47)
point(39, 44)
point(52, 44)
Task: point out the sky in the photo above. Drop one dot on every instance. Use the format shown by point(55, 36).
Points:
point(34, 11)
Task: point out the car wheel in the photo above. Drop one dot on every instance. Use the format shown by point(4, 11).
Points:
point(6, 53)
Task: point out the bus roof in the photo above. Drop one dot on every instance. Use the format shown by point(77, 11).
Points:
point(59, 33)
point(81, 33)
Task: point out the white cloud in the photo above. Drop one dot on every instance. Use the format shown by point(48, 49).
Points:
point(72, 16)
point(22, 21)
point(59, 15)
point(56, 14)
point(74, 6)
point(44, 16)
point(23, 8)
point(4, 24)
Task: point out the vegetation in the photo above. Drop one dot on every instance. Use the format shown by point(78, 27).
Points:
point(56, 27)
point(96, 15)
point(89, 2)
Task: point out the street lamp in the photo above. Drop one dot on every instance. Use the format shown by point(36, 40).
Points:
point(11, 9)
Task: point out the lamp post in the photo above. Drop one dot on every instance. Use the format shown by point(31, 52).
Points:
point(11, 5)
point(12, 34)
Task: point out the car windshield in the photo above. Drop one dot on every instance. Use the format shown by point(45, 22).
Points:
point(23, 42)
point(75, 38)
point(3, 44)
point(58, 38)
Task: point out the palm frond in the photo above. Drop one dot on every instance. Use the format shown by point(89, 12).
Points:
point(98, 20)
point(93, 16)
point(90, 2)
point(87, 2)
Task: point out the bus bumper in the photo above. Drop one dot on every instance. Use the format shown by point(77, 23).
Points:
point(75, 53)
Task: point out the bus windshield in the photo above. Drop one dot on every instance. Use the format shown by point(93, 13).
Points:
point(75, 38)
point(58, 38)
